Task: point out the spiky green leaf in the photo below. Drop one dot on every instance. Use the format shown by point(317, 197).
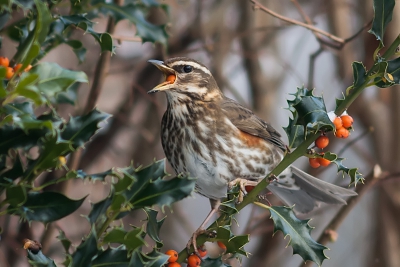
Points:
point(299, 234)
point(45, 207)
point(383, 12)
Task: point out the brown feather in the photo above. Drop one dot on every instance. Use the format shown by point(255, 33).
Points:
point(245, 120)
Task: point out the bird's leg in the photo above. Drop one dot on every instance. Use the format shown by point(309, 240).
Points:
point(242, 183)
point(201, 230)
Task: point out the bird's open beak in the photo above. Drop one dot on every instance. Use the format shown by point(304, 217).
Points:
point(169, 76)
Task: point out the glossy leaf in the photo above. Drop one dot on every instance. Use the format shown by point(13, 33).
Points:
point(16, 195)
point(86, 250)
point(46, 207)
point(359, 74)
point(22, 115)
point(299, 234)
point(392, 75)
point(135, 13)
point(104, 39)
point(233, 243)
point(54, 79)
point(117, 257)
point(52, 148)
point(11, 137)
point(80, 129)
point(66, 243)
point(383, 12)
point(98, 211)
point(131, 240)
point(153, 226)
point(355, 176)
point(40, 260)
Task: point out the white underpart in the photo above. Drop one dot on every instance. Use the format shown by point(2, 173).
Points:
point(210, 180)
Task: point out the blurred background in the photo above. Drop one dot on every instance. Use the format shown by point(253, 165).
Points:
point(258, 60)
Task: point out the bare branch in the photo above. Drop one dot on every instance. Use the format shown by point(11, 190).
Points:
point(257, 5)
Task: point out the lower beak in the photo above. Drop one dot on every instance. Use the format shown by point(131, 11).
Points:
point(169, 75)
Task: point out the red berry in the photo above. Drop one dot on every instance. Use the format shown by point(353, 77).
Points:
point(193, 261)
point(342, 133)
point(347, 121)
point(173, 264)
point(221, 245)
point(324, 162)
point(9, 72)
point(202, 251)
point(338, 123)
point(173, 255)
point(4, 62)
point(322, 141)
point(314, 162)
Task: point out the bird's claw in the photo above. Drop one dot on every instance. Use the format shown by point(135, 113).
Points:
point(193, 239)
point(242, 184)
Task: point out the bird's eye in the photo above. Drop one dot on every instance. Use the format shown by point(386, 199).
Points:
point(187, 68)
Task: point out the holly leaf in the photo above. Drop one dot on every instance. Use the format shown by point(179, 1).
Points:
point(22, 116)
point(80, 21)
point(54, 79)
point(299, 234)
point(111, 257)
point(309, 116)
point(52, 148)
point(359, 74)
point(65, 242)
point(136, 14)
point(40, 260)
point(152, 259)
point(45, 207)
point(354, 174)
point(294, 132)
point(153, 226)
point(391, 75)
point(131, 240)
point(11, 137)
point(234, 243)
point(99, 210)
point(86, 250)
point(383, 11)
point(80, 129)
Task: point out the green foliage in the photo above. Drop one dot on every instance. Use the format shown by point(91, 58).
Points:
point(383, 11)
point(299, 234)
point(309, 116)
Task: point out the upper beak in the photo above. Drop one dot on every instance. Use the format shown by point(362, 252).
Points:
point(167, 71)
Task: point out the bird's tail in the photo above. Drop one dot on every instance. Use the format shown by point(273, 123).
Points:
point(305, 192)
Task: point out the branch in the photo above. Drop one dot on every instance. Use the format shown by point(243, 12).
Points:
point(257, 5)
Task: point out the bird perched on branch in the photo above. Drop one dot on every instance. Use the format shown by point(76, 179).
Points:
point(218, 141)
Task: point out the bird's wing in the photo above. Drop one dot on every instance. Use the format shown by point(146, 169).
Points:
point(245, 120)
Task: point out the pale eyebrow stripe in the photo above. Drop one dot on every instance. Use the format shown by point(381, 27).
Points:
point(191, 63)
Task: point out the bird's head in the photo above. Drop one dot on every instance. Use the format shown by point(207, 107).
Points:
point(186, 78)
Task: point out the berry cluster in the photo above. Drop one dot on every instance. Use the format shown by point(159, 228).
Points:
point(342, 126)
point(193, 260)
point(5, 62)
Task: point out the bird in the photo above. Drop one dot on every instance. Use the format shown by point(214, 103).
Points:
point(219, 142)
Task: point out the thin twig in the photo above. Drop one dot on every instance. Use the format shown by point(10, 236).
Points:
point(257, 5)
point(313, 57)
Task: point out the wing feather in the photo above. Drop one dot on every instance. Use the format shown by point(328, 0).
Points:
point(245, 120)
